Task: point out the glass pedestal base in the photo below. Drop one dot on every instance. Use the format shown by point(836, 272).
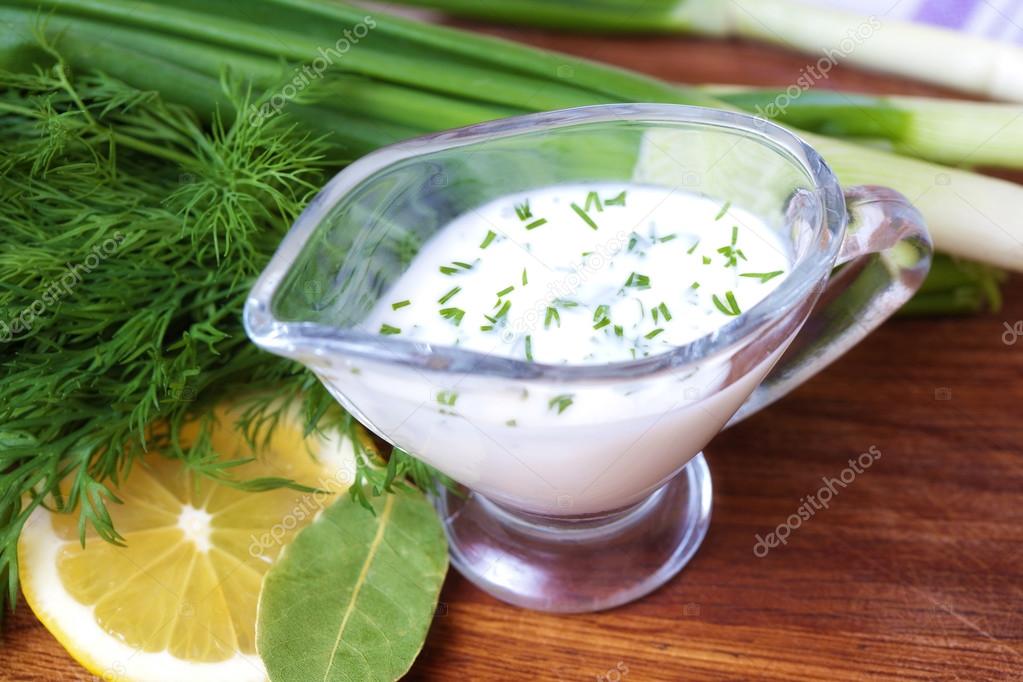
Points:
point(579, 564)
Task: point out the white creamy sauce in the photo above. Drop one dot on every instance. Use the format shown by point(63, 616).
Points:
point(577, 274)
point(672, 263)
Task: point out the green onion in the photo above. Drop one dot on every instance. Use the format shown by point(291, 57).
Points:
point(453, 315)
point(181, 50)
point(523, 212)
point(488, 239)
point(560, 402)
point(581, 212)
point(937, 129)
point(618, 200)
point(552, 316)
point(730, 307)
point(387, 329)
point(932, 54)
point(638, 281)
point(763, 276)
point(400, 304)
point(724, 209)
point(448, 296)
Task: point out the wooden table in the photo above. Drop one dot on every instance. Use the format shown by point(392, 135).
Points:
point(914, 572)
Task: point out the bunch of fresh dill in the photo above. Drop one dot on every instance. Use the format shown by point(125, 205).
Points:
point(131, 233)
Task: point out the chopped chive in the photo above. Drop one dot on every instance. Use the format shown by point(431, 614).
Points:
point(525, 278)
point(453, 315)
point(507, 290)
point(694, 285)
point(387, 329)
point(735, 234)
point(511, 422)
point(536, 223)
point(565, 303)
point(706, 260)
point(732, 309)
point(448, 296)
point(665, 312)
point(449, 270)
point(400, 304)
point(619, 331)
point(447, 398)
point(617, 201)
point(561, 402)
point(582, 214)
point(653, 333)
point(668, 238)
point(592, 199)
point(503, 311)
point(529, 347)
point(523, 212)
point(693, 247)
point(486, 327)
point(763, 276)
point(724, 209)
point(655, 313)
point(552, 316)
point(601, 311)
point(633, 240)
point(491, 235)
point(603, 323)
point(638, 281)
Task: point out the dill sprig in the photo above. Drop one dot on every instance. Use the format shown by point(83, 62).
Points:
point(154, 226)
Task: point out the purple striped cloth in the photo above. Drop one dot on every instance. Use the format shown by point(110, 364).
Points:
point(991, 19)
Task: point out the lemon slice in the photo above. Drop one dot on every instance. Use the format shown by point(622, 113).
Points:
point(177, 603)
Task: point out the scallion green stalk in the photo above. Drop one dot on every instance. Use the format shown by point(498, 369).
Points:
point(955, 132)
point(927, 53)
point(404, 78)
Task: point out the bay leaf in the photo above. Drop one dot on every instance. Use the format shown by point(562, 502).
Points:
point(353, 596)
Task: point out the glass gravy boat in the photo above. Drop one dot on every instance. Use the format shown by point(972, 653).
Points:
point(613, 501)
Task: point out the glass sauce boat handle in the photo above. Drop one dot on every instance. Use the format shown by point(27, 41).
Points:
point(884, 259)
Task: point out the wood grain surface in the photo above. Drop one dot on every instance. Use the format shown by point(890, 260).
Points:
point(915, 571)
